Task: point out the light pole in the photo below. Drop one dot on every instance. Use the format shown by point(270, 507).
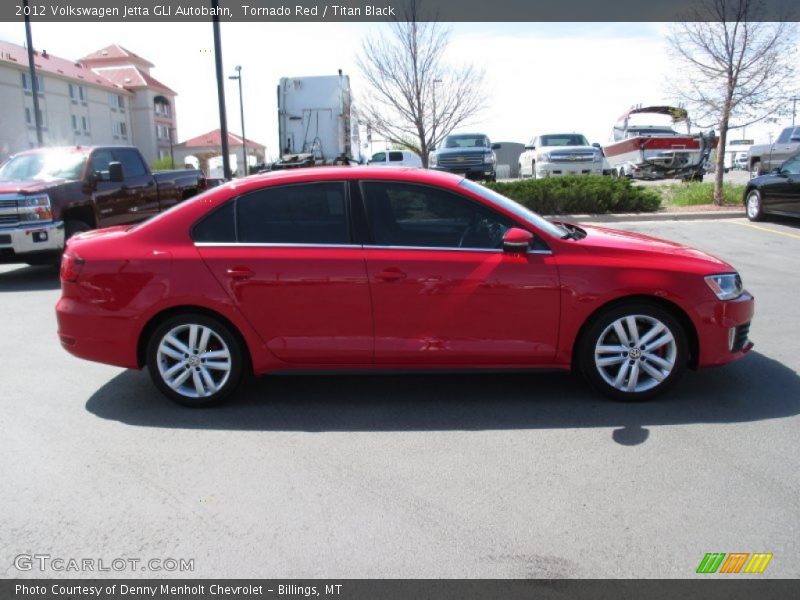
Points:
point(223, 118)
point(238, 76)
point(37, 115)
point(794, 108)
point(171, 150)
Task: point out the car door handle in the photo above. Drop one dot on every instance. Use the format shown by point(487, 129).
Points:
point(239, 273)
point(390, 274)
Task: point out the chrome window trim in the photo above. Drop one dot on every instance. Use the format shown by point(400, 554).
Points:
point(354, 246)
point(271, 245)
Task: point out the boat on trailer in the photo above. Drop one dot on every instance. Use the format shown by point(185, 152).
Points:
point(646, 145)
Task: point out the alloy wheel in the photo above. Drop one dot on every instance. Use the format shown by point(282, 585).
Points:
point(193, 360)
point(635, 353)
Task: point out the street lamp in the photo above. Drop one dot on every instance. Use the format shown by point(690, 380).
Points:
point(238, 77)
point(171, 148)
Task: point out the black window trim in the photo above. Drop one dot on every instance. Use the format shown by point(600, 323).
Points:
point(370, 244)
point(233, 201)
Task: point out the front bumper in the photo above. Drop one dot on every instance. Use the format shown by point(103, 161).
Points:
point(723, 330)
point(555, 169)
point(21, 243)
point(484, 171)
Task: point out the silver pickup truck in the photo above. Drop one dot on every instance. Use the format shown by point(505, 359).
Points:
point(762, 158)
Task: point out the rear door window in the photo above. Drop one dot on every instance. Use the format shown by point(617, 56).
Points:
point(312, 213)
point(395, 156)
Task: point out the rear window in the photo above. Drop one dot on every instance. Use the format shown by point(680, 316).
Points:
point(395, 156)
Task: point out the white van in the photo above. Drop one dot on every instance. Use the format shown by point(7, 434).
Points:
point(395, 158)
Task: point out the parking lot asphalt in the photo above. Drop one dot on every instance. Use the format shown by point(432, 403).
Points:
point(469, 475)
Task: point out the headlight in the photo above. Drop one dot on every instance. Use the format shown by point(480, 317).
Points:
point(489, 157)
point(432, 160)
point(544, 157)
point(598, 157)
point(726, 286)
point(34, 209)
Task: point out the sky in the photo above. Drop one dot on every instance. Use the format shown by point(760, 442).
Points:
point(539, 77)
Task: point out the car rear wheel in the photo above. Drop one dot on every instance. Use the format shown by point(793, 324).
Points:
point(633, 352)
point(195, 360)
point(755, 211)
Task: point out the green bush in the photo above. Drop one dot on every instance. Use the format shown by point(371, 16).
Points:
point(164, 164)
point(579, 195)
point(692, 194)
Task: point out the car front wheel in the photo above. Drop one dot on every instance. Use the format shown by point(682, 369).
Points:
point(195, 360)
point(633, 352)
point(753, 205)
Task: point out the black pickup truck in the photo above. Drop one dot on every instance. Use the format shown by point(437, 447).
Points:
point(50, 194)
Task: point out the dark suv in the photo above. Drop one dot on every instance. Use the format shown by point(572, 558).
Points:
point(470, 154)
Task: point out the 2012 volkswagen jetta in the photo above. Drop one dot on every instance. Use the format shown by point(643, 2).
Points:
point(357, 268)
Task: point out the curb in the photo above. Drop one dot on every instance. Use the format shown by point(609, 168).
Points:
point(663, 216)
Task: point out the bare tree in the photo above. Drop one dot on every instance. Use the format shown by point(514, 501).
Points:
point(738, 68)
point(415, 97)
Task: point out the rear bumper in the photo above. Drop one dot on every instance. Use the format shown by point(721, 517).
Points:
point(21, 243)
point(723, 330)
point(87, 333)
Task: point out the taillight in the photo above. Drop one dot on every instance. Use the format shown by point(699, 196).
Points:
point(71, 267)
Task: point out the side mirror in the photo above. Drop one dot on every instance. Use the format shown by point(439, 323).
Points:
point(530, 147)
point(496, 146)
point(776, 171)
point(596, 145)
point(517, 240)
point(115, 172)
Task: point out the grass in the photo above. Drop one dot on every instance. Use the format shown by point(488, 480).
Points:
point(696, 194)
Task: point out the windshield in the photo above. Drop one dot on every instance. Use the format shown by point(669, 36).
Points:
point(519, 211)
point(569, 139)
point(44, 165)
point(466, 141)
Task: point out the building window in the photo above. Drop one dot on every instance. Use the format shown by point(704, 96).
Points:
point(29, 119)
point(116, 101)
point(74, 122)
point(26, 83)
point(77, 92)
point(85, 123)
point(119, 129)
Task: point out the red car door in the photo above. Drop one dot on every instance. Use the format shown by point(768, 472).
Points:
point(293, 271)
point(443, 290)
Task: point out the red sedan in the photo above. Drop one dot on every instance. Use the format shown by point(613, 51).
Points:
point(358, 268)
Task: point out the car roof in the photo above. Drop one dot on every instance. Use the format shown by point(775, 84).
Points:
point(304, 175)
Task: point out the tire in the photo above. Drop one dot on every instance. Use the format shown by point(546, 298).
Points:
point(754, 206)
point(603, 353)
point(755, 170)
point(205, 385)
point(75, 227)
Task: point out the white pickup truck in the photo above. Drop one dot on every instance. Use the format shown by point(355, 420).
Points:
point(555, 154)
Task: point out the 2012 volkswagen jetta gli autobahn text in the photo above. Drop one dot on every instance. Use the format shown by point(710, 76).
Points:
point(357, 268)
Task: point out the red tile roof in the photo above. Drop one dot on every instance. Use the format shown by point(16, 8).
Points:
point(132, 77)
point(47, 63)
point(214, 138)
point(113, 77)
point(114, 52)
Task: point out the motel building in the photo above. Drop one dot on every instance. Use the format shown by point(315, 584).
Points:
point(107, 97)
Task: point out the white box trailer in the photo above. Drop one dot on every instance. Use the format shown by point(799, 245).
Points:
point(317, 124)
